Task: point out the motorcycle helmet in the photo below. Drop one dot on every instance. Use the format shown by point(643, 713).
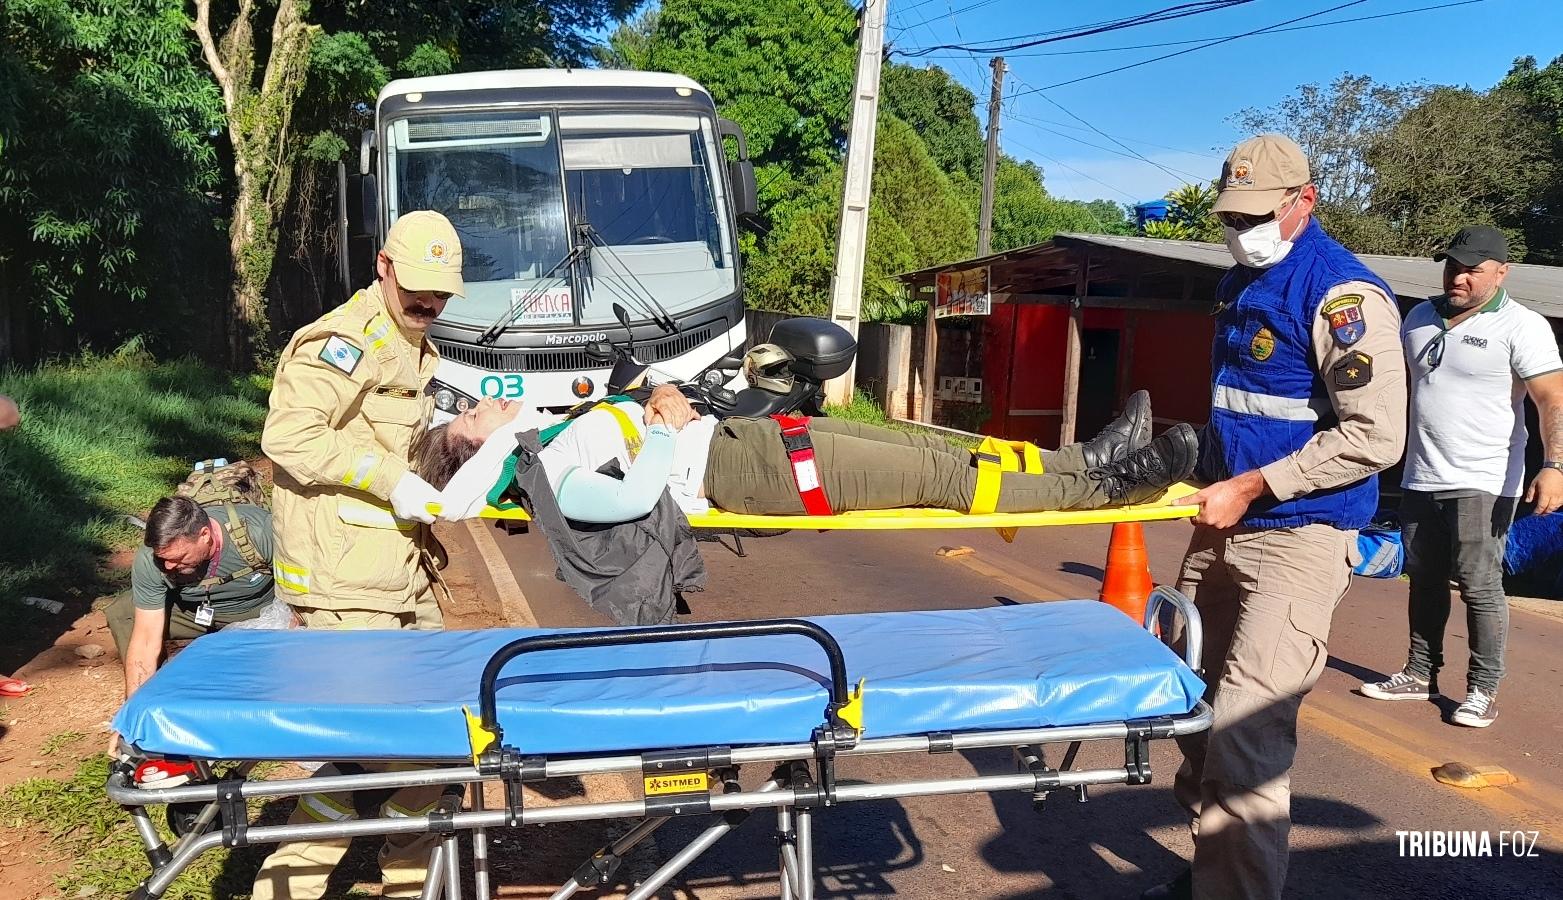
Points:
point(768, 367)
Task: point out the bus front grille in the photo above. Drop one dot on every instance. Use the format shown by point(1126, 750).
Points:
point(567, 359)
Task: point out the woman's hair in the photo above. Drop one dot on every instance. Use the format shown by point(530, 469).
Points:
point(441, 453)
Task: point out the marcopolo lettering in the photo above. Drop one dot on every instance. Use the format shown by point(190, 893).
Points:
point(557, 340)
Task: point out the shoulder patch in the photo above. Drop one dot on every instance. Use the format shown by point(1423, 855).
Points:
point(1345, 317)
point(1354, 370)
point(340, 353)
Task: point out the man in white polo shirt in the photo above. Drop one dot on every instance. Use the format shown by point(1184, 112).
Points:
point(1472, 356)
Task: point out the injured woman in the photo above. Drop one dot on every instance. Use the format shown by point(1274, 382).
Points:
point(613, 463)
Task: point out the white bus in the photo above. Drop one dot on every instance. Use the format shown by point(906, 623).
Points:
point(592, 205)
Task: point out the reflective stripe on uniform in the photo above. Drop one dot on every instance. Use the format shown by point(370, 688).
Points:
point(1252, 403)
point(322, 808)
point(393, 811)
point(376, 331)
point(294, 579)
point(362, 474)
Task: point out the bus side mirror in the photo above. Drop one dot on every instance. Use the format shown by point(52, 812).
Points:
point(746, 201)
point(358, 211)
point(740, 173)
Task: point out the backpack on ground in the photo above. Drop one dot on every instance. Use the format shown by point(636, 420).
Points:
point(218, 483)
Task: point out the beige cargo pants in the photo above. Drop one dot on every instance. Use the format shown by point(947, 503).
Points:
point(1265, 598)
point(300, 871)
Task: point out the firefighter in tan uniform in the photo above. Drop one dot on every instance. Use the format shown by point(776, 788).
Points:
point(352, 542)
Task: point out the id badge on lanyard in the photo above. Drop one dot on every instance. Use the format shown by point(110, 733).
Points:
point(204, 614)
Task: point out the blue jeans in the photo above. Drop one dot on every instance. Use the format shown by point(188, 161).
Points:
point(1461, 539)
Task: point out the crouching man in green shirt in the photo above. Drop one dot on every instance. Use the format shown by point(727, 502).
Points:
point(202, 568)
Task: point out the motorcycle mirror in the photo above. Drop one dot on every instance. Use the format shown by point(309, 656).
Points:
point(731, 361)
point(601, 351)
point(622, 314)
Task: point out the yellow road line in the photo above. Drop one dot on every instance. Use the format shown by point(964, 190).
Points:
point(1392, 744)
point(512, 602)
point(1004, 575)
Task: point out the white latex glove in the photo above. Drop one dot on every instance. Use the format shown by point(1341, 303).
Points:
point(411, 497)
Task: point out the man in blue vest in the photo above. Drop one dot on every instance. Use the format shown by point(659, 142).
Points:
point(1308, 403)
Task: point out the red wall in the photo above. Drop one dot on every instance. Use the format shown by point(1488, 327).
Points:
point(1023, 364)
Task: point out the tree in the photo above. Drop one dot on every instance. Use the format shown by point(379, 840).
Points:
point(1189, 217)
point(941, 111)
point(312, 52)
point(782, 70)
point(916, 219)
point(1460, 157)
point(1335, 125)
point(1023, 212)
point(1539, 92)
point(106, 163)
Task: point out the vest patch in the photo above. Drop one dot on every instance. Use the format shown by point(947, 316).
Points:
point(1345, 316)
point(341, 354)
point(1354, 370)
point(1263, 344)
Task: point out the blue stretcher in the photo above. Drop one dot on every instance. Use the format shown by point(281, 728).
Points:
point(688, 702)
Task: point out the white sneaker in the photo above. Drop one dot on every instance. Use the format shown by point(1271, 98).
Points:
point(1478, 711)
point(1400, 686)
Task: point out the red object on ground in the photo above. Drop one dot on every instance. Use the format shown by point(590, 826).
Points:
point(164, 773)
point(1126, 583)
point(14, 687)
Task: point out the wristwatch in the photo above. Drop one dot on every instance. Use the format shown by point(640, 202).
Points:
point(1553, 464)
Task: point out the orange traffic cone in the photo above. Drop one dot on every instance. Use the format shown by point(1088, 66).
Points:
point(1127, 582)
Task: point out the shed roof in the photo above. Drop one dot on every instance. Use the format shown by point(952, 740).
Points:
point(1539, 287)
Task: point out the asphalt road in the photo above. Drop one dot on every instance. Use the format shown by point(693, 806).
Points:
point(1362, 772)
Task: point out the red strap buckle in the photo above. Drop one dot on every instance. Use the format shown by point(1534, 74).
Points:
point(805, 471)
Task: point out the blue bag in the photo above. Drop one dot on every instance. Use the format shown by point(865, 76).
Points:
point(1383, 552)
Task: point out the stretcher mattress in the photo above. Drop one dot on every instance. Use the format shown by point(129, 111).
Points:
point(318, 695)
point(1160, 509)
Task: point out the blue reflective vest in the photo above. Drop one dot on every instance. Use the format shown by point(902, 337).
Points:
point(1268, 398)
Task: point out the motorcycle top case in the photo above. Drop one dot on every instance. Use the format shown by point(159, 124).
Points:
point(821, 349)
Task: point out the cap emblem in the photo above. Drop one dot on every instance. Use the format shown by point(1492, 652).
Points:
point(1242, 174)
point(435, 253)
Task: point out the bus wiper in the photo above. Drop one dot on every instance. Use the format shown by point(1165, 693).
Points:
point(645, 299)
point(523, 303)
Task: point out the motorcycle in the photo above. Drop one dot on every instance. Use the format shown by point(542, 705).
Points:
point(816, 350)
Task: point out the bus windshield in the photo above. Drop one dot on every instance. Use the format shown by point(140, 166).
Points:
point(646, 185)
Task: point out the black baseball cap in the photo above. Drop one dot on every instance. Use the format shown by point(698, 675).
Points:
point(1474, 244)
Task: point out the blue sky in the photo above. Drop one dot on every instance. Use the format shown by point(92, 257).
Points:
point(1176, 112)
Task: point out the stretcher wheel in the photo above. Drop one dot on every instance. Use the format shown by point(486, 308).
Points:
point(182, 816)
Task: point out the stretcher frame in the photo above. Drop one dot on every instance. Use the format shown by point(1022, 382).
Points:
point(1163, 508)
point(802, 779)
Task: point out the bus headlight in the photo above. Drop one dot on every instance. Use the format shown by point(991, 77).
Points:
point(449, 400)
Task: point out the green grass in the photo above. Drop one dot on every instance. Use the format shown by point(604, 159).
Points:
point(864, 409)
point(102, 437)
point(107, 858)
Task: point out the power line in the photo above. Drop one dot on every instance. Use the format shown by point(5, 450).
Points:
point(1160, 44)
point(1164, 56)
point(1175, 173)
point(978, 5)
point(1032, 120)
point(1130, 150)
point(1074, 170)
point(1166, 14)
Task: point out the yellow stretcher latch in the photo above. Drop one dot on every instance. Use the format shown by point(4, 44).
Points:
point(479, 738)
point(852, 711)
point(995, 457)
point(434, 509)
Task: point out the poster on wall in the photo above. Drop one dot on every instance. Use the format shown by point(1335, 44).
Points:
point(963, 293)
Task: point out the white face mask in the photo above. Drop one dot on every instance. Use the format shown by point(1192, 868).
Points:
point(1260, 246)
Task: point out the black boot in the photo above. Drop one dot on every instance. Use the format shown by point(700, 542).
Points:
point(1126, 434)
point(1150, 470)
point(1180, 888)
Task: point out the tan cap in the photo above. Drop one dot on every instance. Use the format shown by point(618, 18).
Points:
point(427, 252)
point(1256, 177)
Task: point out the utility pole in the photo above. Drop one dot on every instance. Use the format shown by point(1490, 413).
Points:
point(990, 163)
point(846, 287)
